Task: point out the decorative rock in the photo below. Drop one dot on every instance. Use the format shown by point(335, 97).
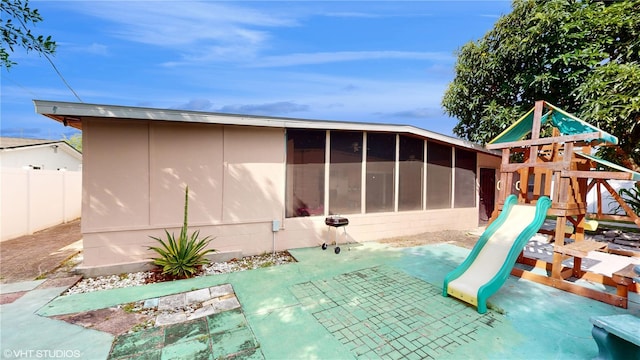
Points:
point(630, 236)
point(627, 242)
point(140, 278)
point(611, 233)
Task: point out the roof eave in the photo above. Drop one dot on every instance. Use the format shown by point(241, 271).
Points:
point(71, 114)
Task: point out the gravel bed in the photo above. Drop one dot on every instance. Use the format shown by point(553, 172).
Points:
point(87, 285)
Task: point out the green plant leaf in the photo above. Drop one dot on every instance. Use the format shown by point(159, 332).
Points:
point(181, 257)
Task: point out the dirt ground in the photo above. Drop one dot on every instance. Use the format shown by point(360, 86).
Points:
point(41, 255)
point(455, 237)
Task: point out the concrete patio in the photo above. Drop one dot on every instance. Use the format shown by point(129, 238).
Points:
point(373, 301)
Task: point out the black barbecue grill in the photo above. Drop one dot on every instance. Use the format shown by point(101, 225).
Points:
point(336, 222)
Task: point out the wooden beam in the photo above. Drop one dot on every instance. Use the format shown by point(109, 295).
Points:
point(562, 284)
point(579, 248)
point(517, 166)
point(614, 217)
point(609, 175)
point(599, 194)
point(535, 131)
point(538, 107)
point(544, 141)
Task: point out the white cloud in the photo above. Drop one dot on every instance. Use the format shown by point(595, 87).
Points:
point(418, 113)
point(352, 14)
point(341, 56)
point(275, 108)
point(97, 49)
point(196, 104)
point(188, 28)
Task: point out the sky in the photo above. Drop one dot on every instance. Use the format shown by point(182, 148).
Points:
point(364, 61)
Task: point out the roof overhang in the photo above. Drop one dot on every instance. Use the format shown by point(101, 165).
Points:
point(72, 114)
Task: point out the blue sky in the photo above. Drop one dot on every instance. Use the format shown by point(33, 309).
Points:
point(370, 61)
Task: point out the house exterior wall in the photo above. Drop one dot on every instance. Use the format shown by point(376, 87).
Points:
point(135, 173)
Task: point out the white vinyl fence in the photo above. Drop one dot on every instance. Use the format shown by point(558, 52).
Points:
point(33, 200)
point(609, 204)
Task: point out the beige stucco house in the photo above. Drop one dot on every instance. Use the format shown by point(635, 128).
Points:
point(247, 173)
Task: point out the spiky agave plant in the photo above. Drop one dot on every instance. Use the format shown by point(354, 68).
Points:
point(182, 257)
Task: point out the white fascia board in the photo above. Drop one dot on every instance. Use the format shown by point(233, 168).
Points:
point(59, 109)
point(62, 145)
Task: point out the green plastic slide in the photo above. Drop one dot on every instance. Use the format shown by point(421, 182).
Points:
point(490, 262)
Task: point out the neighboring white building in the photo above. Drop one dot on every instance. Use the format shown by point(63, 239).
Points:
point(39, 154)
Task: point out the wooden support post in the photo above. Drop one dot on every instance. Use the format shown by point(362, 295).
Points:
point(556, 269)
point(579, 227)
point(599, 194)
point(522, 184)
point(535, 131)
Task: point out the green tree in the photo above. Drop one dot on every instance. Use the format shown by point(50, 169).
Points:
point(583, 56)
point(75, 141)
point(15, 22)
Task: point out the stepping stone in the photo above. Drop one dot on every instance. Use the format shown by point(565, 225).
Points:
point(221, 290)
point(226, 321)
point(142, 343)
point(172, 302)
point(170, 318)
point(197, 296)
point(150, 303)
point(226, 304)
point(203, 311)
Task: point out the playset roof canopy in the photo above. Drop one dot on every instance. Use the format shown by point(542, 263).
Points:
point(566, 123)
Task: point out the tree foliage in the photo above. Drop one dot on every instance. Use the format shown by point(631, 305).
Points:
point(15, 22)
point(583, 56)
point(74, 140)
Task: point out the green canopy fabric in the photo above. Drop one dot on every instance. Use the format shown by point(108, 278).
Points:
point(634, 175)
point(566, 123)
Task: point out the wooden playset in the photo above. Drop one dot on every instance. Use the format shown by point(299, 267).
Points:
point(548, 152)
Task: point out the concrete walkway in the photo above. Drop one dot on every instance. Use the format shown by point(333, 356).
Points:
point(26, 335)
point(371, 302)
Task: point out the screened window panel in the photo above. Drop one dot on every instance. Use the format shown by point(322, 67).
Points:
point(345, 172)
point(305, 172)
point(439, 170)
point(465, 179)
point(381, 159)
point(411, 163)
